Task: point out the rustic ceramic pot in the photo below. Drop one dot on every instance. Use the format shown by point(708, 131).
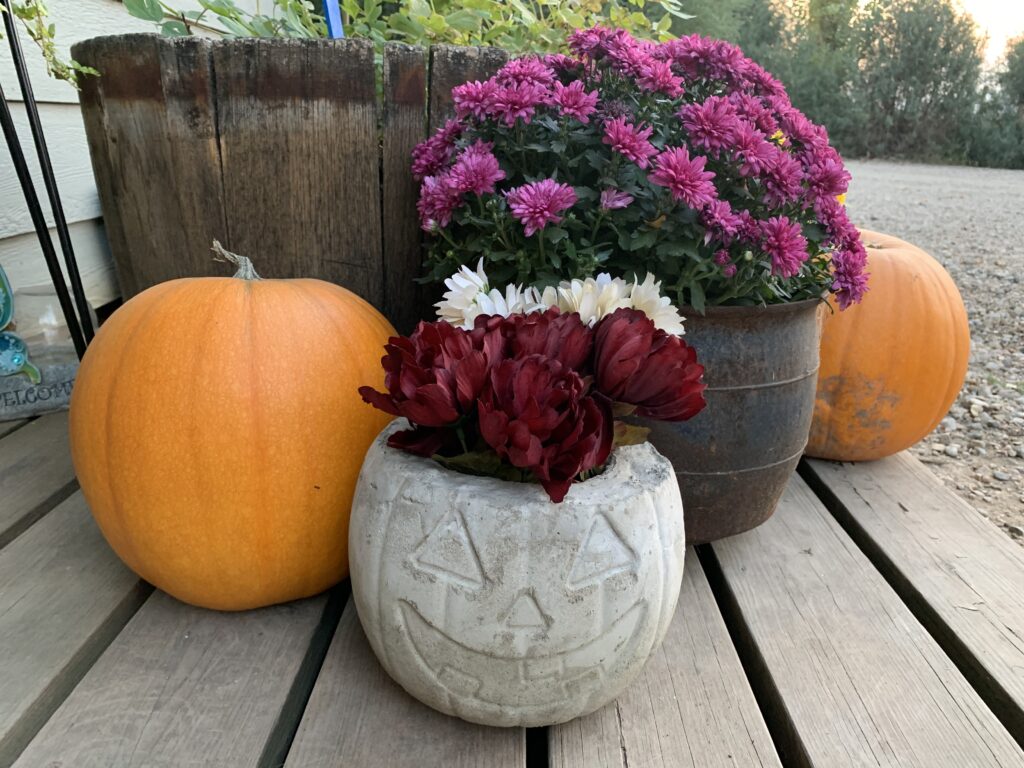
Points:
point(487, 601)
point(734, 458)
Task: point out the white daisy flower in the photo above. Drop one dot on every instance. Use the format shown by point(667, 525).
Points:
point(593, 298)
point(469, 295)
point(646, 297)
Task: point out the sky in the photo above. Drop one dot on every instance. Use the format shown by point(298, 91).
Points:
point(1001, 20)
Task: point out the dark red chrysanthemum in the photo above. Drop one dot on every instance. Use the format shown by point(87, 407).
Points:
point(560, 336)
point(638, 364)
point(432, 378)
point(536, 415)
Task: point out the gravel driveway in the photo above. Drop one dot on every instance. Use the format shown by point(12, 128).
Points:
point(972, 221)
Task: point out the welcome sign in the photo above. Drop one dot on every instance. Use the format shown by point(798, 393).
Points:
point(30, 383)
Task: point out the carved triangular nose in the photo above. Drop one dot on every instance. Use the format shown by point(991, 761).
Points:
point(526, 613)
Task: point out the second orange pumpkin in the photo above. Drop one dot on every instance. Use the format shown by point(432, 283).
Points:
point(892, 365)
point(217, 434)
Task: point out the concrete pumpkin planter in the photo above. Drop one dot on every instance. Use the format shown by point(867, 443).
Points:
point(485, 600)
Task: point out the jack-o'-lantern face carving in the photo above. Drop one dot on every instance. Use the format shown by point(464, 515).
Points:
point(505, 608)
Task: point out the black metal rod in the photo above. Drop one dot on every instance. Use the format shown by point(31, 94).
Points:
point(39, 222)
point(46, 167)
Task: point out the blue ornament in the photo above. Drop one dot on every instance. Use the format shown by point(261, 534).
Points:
point(13, 351)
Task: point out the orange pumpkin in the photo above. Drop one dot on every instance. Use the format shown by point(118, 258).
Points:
point(892, 365)
point(217, 434)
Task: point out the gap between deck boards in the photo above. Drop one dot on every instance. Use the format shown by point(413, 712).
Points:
point(791, 751)
point(989, 689)
point(275, 752)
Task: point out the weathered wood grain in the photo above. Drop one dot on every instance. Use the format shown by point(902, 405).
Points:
point(6, 427)
point(152, 134)
point(35, 473)
point(452, 65)
point(63, 596)
point(963, 578)
point(357, 716)
point(184, 686)
point(300, 158)
point(405, 116)
point(692, 705)
point(846, 674)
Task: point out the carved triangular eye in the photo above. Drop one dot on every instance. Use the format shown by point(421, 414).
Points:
point(448, 552)
point(526, 613)
point(602, 555)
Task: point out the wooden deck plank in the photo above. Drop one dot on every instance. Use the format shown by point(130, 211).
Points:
point(692, 707)
point(63, 596)
point(35, 473)
point(184, 686)
point(963, 578)
point(850, 676)
point(357, 716)
point(6, 427)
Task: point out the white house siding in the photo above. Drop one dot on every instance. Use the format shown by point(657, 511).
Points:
point(20, 253)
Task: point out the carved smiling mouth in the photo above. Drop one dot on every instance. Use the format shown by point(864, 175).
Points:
point(534, 681)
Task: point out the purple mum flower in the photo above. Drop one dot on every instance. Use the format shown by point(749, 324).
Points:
point(529, 69)
point(514, 102)
point(782, 179)
point(574, 101)
point(710, 125)
point(476, 169)
point(828, 178)
point(629, 140)
point(538, 204)
point(658, 77)
point(720, 221)
point(783, 241)
point(474, 98)
point(684, 177)
point(439, 197)
point(755, 153)
point(432, 155)
point(850, 281)
point(612, 199)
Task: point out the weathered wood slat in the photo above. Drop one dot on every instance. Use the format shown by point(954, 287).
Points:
point(7, 427)
point(405, 115)
point(63, 596)
point(185, 686)
point(357, 716)
point(35, 473)
point(300, 158)
point(452, 65)
point(152, 134)
point(963, 578)
point(851, 676)
point(692, 706)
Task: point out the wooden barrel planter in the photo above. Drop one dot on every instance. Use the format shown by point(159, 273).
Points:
point(279, 148)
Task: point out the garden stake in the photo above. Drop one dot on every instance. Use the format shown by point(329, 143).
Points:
point(49, 182)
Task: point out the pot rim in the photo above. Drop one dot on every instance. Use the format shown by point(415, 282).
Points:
point(732, 311)
point(617, 472)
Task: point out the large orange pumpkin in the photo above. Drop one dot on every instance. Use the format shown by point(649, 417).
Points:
point(217, 434)
point(892, 365)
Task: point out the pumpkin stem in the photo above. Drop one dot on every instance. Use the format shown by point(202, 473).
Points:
point(246, 270)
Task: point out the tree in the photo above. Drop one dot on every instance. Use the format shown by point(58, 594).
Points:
point(919, 70)
point(1011, 78)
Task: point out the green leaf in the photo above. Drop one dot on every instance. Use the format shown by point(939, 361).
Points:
point(174, 29)
point(463, 20)
point(643, 240)
point(149, 10)
point(697, 297)
point(629, 434)
point(555, 234)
